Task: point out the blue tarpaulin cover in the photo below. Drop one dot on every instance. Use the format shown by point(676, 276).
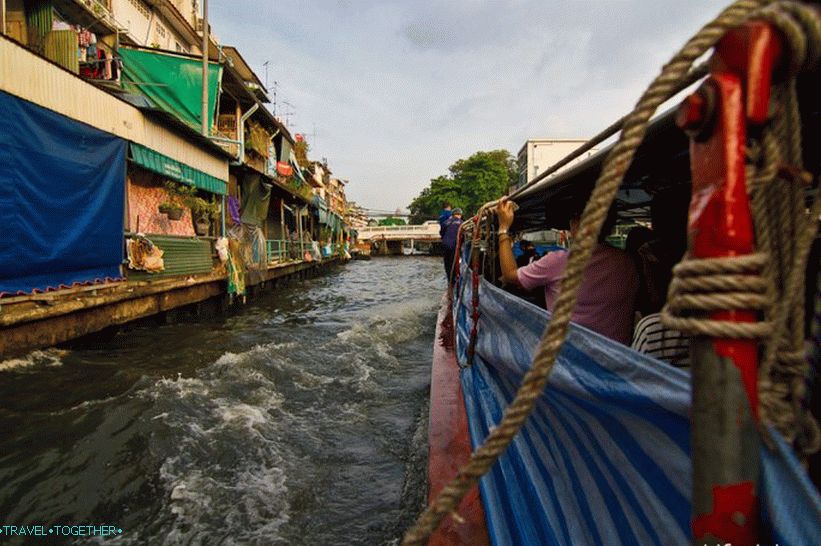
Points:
point(605, 457)
point(62, 187)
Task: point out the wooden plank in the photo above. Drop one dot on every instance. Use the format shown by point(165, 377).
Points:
point(25, 337)
point(28, 324)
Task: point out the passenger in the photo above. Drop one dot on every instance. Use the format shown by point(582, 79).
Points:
point(449, 235)
point(636, 239)
point(443, 217)
point(668, 214)
point(608, 291)
point(654, 339)
point(528, 254)
point(656, 258)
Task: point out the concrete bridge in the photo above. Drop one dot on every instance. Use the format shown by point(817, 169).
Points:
point(425, 232)
point(397, 240)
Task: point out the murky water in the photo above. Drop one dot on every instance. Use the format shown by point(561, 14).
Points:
point(300, 419)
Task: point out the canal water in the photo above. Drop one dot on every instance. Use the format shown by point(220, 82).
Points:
point(298, 419)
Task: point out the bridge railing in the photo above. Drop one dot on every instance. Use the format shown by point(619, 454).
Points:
point(427, 231)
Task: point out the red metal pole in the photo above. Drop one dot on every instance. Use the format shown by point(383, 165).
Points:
point(725, 440)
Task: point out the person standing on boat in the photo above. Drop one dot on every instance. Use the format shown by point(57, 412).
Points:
point(608, 291)
point(443, 217)
point(450, 231)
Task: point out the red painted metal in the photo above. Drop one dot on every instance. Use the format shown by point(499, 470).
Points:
point(449, 443)
point(720, 218)
point(738, 92)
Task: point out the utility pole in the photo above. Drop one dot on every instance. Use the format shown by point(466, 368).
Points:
point(273, 96)
point(288, 113)
point(205, 40)
point(265, 64)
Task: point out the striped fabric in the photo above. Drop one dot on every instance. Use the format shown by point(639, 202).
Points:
point(652, 338)
point(605, 457)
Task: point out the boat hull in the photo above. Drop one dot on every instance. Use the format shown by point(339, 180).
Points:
point(449, 441)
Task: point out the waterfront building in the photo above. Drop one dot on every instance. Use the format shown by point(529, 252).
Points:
point(120, 202)
point(539, 154)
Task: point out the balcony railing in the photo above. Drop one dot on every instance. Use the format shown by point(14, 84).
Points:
point(280, 250)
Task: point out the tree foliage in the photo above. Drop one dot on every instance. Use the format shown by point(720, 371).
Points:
point(391, 221)
point(470, 183)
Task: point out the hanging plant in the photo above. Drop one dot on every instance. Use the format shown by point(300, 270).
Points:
point(182, 196)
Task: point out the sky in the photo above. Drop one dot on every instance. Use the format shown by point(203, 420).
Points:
point(397, 91)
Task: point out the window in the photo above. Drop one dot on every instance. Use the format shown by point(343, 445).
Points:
point(138, 4)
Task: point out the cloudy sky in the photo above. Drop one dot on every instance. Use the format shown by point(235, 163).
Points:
point(399, 90)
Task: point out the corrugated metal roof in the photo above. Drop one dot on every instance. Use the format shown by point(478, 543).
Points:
point(173, 169)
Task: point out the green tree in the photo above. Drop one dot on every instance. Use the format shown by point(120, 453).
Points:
point(470, 183)
point(391, 221)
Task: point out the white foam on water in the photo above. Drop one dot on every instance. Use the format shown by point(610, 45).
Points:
point(46, 358)
point(221, 466)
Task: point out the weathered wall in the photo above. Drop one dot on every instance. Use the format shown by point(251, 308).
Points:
point(32, 78)
point(145, 195)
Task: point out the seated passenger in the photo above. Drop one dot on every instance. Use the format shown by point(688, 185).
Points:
point(656, 258)
point(668, 215)
point(654, 339)
point(608, 291)
point(528, 254)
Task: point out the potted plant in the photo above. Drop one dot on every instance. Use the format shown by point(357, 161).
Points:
point(171, 209)
point(203, 212)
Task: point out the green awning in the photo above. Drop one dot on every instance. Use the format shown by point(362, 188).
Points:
point(172, 82)
point(173, 169)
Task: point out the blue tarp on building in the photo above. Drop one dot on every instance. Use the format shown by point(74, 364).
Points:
point(62, 187)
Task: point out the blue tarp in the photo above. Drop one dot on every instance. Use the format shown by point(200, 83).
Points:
point(62, 187)
point(605, 457)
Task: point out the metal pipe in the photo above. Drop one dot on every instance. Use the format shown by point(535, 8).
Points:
point(282, 219)
point(299, 231)
point(222, 214)
point(205, 40)
point(242, 121)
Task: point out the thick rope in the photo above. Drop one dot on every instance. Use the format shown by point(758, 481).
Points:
point(713, 284)
point(615, 167)
point(784, 234)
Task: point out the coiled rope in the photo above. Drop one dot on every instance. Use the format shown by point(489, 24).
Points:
point(771, 280)
point(616, 165)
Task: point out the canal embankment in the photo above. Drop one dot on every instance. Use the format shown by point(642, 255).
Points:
point(42, 320)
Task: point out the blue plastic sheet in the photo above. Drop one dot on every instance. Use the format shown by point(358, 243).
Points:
point(62, 187)
point(605, 457)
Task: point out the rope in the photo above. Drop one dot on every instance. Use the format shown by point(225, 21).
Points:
point(692, 77)
point(616, 165)
point(773, 278)
point(713, 284)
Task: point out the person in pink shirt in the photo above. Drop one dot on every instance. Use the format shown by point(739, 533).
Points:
point(608, 291)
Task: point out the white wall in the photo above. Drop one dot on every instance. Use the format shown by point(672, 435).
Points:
point(145, 26)
point(541, 154)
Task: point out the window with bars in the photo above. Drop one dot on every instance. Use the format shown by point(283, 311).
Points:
point(141, 7)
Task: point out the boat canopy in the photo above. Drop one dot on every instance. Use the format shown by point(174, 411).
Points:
point(661, 161)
